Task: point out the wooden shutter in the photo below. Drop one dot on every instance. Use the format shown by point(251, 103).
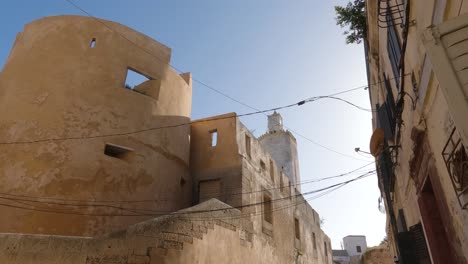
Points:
point(386, 171)
point(406, 247)
point(447, 47)
point(385, 121)
point(393, 47)
point(391, 107)
point(420, 246)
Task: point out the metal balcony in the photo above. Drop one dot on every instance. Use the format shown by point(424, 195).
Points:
point(454, 154)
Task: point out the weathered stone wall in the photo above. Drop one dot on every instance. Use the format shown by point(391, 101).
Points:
point(248, 181)
point(282, 146)
point(63, 100)
point(221, 162)
point(377, 255)
point(223, 235)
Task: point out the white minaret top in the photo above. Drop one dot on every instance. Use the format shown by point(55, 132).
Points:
point(275, 122)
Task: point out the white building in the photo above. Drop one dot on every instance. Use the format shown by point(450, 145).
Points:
point(355, 245)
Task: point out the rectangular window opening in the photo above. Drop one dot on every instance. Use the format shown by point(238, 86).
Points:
point(93, 43)
point(118, 152)
point(247, 145)
point(297, 231)
point(314, 240)
point(267, 209)
point(134, 79)
point(272, 171)
point(325, 247)
point(262, 165)
point(281, 182)
point(214, 137)
point(358, 249)
point(393, 46)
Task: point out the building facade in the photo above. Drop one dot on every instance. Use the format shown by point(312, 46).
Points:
point(341, 256)
point(353, 247)
point(416, 57)
point(94, 170)
point(67, 83)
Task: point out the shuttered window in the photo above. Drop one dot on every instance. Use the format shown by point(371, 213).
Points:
point(420, 246)
point(390, 105)
point(413, 247)
point(393, 46)
point(386, 121)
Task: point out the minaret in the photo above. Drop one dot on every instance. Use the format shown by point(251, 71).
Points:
point(275, 122)
point(282, 147)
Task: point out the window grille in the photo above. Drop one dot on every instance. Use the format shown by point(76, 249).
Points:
point(456, 161)
point(394, 8)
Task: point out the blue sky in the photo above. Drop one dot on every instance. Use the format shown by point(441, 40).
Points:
point(264, 53)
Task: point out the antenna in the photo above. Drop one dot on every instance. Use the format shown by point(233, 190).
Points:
point(377, 142)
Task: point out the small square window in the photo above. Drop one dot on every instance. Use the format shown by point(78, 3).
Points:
point(118, 152)
point(214, 137)
point(134, 78)
point(358, 249)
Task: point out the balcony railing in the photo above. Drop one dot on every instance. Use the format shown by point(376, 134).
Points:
point(391, 13)
point(456, 160)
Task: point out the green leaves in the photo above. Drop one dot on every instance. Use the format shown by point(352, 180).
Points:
point(352, 16)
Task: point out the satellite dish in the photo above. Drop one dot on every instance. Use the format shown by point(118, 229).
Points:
point(377, 142)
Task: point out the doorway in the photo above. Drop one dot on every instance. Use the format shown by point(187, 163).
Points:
point(436, 234)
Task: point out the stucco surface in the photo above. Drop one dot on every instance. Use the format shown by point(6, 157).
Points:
point(93, 172)
point(62, 100)
point(187, 236)
point(429, 113)
point(282, 146)
point(245, 183)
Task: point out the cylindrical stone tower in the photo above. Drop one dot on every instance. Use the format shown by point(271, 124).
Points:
point(80, 154)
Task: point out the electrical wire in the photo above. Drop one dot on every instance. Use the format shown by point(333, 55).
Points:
point(211, 87)
point(312, 99)
point(106, 202)
point(158, 213)
point(300, 103)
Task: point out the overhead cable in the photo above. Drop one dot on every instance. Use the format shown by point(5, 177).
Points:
point(211, 87)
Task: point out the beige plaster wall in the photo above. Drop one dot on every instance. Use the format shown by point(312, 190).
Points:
point(216, 162)
point(55, 86)
point(430, 111)
point(282, 146)
point(244, 184)
point(187, 236)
